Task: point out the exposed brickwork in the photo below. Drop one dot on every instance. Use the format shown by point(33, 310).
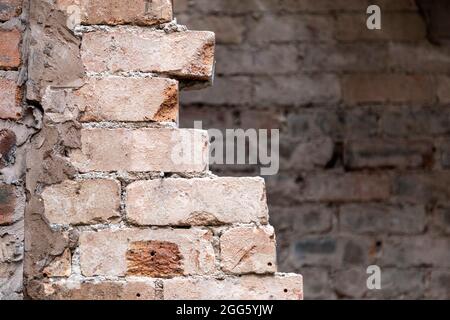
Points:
point(364, 133)
point(15, 130)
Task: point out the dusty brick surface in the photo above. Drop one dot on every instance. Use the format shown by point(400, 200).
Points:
point(82, 202)
point(283, 287)
point(168, 150)
point(248, 250)
point(9, 49)
point(186, 54)
point(119, 99)
point(106, 290)
point(8, 202)
point(197, 201)
point(10, 9)
point(118, 253)
point(11, 97)
point(115, 12)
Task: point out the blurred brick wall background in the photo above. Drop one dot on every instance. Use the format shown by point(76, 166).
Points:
point(365, 134)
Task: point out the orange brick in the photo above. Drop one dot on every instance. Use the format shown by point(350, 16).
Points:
point(9, 49)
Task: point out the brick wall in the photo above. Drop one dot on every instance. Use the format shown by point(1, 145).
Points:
point(365, 134)
point(110, 213)
point(17, 124)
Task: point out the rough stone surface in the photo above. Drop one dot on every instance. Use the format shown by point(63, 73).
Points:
point(168, 150)
point(280, 286)
point(61, 266)
point(130, 289)
point(118, 253)
point(7, 145)
point(187, 54)
point(82, 202)
point(9, 49)
point(197, 201)
point(248, 250)
point(114, 12)
point(10, 9)
point(118, 99)
point(10, 97)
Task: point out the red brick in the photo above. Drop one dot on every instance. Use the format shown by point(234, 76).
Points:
point(8, 199)
point(9, 49)
point(7, 143)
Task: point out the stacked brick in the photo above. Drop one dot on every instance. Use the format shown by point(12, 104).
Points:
point(14, 133)
point(364, 133)
point(126, 219)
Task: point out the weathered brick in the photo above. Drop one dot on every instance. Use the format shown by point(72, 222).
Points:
point(445, 154)
point(395, 27)
point(443, 92)
point(326, 6)
point(287, 28)
point(9, 200)
point(410, 122)
point(376, 153)
point(381, 218)
point(146, 252)
point(10, 9)
point(439, 285)
point(61, 266)
point(400, 284)
point(10, 99)
point(219, 117)
point(418, 57)
point(361, 122)
point(241, 87)
point(113, 12)
point(82, 202)
point(308, 154)
point(297, 90)
point(248, 249)
point(147, 149)
point(180, 6)
point(422, 187)
point(388, 88)
point(418, 251)
point(118, 99)
point(9, 49)
point(229, 30)
point(343, 57)
point(316, 123)
point(302, 219)
point(197, 201)
point(130, 289)
point(188, 54)
point(318, 285)
point(7, 144)
point(281, 286)
point(328, 250)
point(344, 187)
point(235, 6)
point(441, 219)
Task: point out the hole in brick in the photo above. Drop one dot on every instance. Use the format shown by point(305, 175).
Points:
point(154, 259)
point(138, 295)
point(269, 264)
point(45, 275)
point(285, 290)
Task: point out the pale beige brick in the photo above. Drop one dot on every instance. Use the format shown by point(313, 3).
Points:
point(187, 54)
point(118, 99)
point(197, 201)
point(280, 286)
point(141, 12)
point(248, 249)
point(82, 202)
point(139, 150)
point(130, 289)
point(146, 252)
